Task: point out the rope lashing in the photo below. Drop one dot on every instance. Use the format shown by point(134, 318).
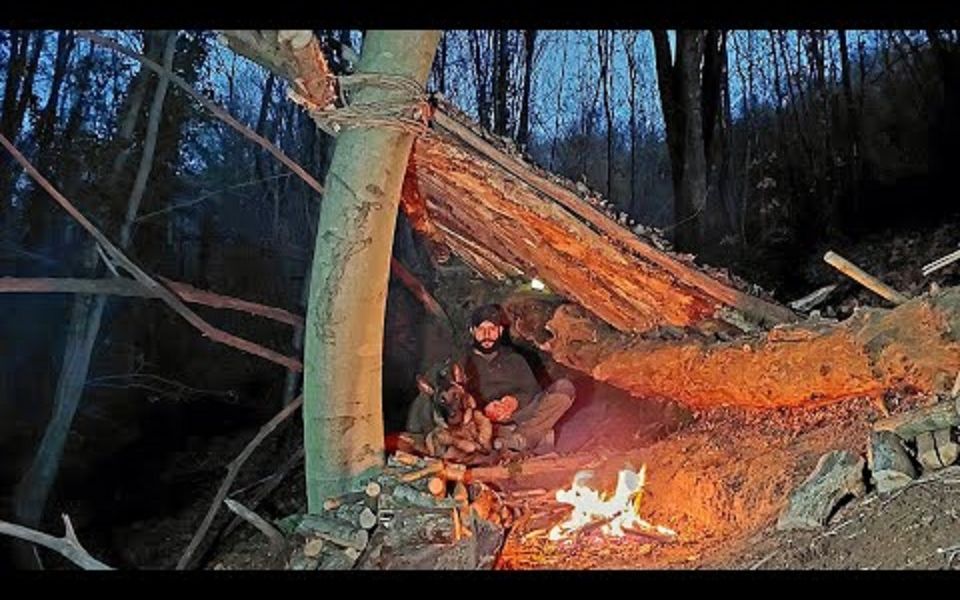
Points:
point(407, 110)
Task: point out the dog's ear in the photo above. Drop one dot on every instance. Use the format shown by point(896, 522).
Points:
point(459, 377)
point(424, 386)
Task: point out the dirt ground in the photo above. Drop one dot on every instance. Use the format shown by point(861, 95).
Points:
point(721, 484)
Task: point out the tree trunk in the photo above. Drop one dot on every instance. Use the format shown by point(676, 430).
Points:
point(915, 345)
point(691, 197)
point(501, 81)
point(480, 72)
point(343, 420)
point(34, 488)
point(629, 47)
point(604, 49)
point(852, 129)
point(18, 91)
point(523, 131)
point(38, 205)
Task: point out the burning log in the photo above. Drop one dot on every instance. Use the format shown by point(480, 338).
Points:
point(808, 363)
point(890, 465)
point(334, 530)
point(837, 475)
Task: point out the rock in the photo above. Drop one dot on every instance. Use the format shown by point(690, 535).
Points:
point(927, 452)
point(890, 465)
point(947, 449)
point(838, 474)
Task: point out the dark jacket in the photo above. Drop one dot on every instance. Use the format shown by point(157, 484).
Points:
point(505, 373)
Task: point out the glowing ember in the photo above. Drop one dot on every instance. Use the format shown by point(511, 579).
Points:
point(619, 514)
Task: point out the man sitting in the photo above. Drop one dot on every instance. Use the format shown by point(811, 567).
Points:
point(507, 391)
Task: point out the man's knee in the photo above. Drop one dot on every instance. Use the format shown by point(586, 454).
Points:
point(557, 403)
point(564, 386)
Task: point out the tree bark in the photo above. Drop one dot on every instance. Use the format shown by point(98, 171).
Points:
point(523, 130)
point(501, 81)
point(915, 345)
point(604, 50)
point(343, 421)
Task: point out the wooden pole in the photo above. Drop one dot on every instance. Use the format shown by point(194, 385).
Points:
point(863, 278)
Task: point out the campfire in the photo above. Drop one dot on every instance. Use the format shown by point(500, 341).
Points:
point(615, 515)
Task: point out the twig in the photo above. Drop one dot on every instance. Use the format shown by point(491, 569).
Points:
point(208, 104)
point(275, 537)
point(763, 560)
point(161, 290)
point(68, 546)
point(232, 472)
point(200, 199)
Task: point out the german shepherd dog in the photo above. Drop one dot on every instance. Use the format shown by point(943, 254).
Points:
point(461, 430)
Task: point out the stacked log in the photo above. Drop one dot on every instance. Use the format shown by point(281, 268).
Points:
point(418, 504)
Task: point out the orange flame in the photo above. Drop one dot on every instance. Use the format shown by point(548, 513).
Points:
point(619, 513)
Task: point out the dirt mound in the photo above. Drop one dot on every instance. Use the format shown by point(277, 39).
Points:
point(716, 484)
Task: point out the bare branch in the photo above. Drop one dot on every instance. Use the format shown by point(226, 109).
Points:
point(275, 537)
point(209, 105)
point(133, 288)
point(68, 546)
point(161, 290)
point(232, 471)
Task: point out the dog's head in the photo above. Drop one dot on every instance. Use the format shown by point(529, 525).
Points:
point(452, 403)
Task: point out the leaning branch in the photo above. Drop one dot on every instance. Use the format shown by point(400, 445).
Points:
point(68, 546)
point(133, 288)
point(410, 281)
point(232, 471)
point(162, 291)
point(209, 105)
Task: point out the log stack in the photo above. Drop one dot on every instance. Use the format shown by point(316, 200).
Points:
point(418, 507)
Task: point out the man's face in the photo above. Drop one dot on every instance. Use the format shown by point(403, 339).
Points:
point(486, 334)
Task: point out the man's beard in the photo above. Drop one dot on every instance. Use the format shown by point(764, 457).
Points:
point(479, 347)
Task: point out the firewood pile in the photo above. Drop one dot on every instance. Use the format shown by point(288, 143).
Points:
point(420, 513)
point(902, 449)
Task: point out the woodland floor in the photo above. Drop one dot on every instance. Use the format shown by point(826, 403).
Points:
point(718, 478)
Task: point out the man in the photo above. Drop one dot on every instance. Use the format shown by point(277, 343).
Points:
point(506, 389)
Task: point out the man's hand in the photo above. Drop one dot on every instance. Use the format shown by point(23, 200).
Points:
point(501, 410)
